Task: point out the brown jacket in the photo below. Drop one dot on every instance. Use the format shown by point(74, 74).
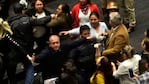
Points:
point(114, 44)
point(61, 23)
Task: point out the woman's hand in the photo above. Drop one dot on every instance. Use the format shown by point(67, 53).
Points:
point(53, 16)
point(113, 66)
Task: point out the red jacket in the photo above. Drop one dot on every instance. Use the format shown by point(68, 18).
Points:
point(75, 13)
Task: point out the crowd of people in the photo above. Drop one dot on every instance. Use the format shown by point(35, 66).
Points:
point(71, 46)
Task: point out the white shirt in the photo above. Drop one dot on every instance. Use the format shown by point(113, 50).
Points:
point(83, 18)
point(103, 28)
point(40, 15)
point(122, 71)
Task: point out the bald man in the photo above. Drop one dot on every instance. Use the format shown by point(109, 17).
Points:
point(55, 55)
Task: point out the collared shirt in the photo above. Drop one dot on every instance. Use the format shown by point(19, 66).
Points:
point(40, 15)
point(113, 31)
point(114, 28)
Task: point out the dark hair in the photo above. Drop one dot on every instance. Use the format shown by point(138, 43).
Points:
point(106, 68)
point(69, 67)
point(65, 8)
point(89, 1)
point(142, 67)
point(146, 43)
point(18, 8)
point(96, 14)
point(147, 33)
point(84, 27)
point(69, 74)
point(34, 1)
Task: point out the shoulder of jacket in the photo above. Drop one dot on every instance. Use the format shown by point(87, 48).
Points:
point(93, 5)
point(76, 6)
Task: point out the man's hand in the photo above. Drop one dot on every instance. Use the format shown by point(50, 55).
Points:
point(90, 38)
point(31, 58)
point(63, 33)
point(97, 45)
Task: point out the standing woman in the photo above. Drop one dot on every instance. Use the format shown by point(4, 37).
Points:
point(96, 28)
point(81, 12)
point(41, 33)
point(130, 61)
point(103, 73)
point(38, 9)
point(61, 21)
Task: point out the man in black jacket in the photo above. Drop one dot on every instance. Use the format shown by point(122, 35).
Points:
point(55, 55)
point(21, 26)
point(84, 55)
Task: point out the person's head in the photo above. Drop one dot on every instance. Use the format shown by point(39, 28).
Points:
point(143, 66)
point(54, 42)
point(115, 19)
point(18, 8)
point(38, 5)
point(69, 67)
point(69, 73)
point(145, 44)
point(127, 52)
point(94, 19)
point(4, 28)
point(104, 66)
point(63, 8)
point(84, 31)
point(85, 2)
point(146, 33)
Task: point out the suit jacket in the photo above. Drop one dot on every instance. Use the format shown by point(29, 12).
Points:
point(51, 62)
point(61, 23)
point(114, 44)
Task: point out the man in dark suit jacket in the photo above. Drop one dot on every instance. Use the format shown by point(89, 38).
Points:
point(54, 56)
point(84, 56)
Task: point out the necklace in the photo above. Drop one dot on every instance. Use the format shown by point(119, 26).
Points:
point(85, 9)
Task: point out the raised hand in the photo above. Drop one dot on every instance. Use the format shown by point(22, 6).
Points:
point(63, 33)
point(31, 58)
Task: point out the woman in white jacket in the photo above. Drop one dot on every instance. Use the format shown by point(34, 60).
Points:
point(97, 29)
point(131, 60)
